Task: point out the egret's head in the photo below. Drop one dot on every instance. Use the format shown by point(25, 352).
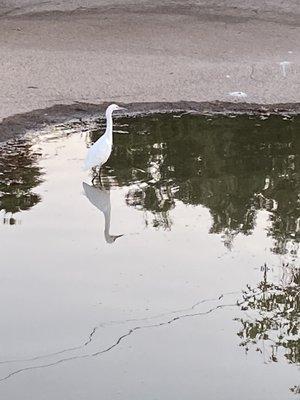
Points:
point(114, 107)
point(111, 238)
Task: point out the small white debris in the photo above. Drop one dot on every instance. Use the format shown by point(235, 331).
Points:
point(227, 76)
point(284, 67)
point(238, 95)
point(275, 205)
point(290, 52)
point(267, 183)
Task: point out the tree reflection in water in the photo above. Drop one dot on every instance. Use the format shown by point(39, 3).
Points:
point(233, 167)
point(19, 174)
point(271, 322)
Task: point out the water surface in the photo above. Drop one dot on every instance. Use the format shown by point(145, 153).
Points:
point(177, 278)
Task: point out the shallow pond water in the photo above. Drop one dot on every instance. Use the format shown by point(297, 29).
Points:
point(178, 278)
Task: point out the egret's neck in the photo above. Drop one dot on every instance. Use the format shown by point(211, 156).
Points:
point(107, 226)
point(109, 126)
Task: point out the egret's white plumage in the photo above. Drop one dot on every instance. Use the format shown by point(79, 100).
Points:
point(100, 151)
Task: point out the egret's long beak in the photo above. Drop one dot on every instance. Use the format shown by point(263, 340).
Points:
point(122, 108)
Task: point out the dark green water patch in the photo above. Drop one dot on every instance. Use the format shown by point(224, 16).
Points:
point(232, 166)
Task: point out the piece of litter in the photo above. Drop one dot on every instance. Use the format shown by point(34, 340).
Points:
point(240, 95)
point(284, 66)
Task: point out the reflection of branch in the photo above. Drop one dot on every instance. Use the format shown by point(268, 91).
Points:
point(295, 389)
point(122, 337)
point(278, 308)
point(132, 330)
point(116, 322)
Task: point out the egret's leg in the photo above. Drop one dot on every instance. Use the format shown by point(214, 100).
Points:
point(99, 176)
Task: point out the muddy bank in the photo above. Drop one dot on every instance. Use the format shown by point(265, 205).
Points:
point(147, 52)
point(19, 124)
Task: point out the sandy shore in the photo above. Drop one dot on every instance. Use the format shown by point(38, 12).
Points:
point(97, 51)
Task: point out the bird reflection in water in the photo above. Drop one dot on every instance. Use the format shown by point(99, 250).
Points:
point(100, 198)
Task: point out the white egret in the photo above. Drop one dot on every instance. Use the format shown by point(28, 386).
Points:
point(100, 151)
point(100, 198)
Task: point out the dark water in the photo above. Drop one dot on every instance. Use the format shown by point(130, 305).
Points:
point(187, 288)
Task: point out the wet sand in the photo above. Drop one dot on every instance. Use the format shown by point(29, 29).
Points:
point(93, 52)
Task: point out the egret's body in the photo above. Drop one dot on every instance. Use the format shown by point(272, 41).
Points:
point(100, 151)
